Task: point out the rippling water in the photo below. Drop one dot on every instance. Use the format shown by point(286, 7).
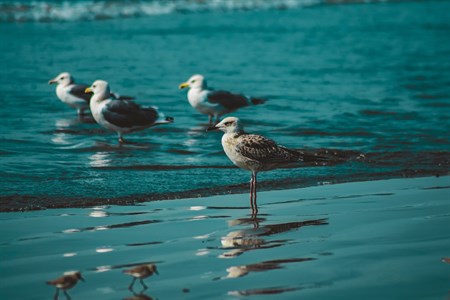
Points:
point(370, 78)
point(347, 240)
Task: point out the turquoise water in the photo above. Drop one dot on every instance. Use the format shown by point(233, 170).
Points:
point(371, 240)
point(370, 78)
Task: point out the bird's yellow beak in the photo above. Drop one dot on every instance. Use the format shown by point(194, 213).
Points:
point(183, 85)
point(88, 90)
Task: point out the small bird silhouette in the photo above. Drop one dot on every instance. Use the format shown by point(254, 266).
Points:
point(65, 282)
point(141, 272)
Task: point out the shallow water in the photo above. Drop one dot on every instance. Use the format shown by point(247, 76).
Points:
point(371, 240)
point(372, 78)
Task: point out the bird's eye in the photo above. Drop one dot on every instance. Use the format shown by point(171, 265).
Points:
point(193, 81)
point(228, 123)
point(62, 78)
point(93, 86)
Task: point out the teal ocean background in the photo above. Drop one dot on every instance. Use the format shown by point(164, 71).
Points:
point(369, 77)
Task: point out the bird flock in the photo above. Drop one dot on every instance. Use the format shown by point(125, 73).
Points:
point(70, 279)
point(121, 114)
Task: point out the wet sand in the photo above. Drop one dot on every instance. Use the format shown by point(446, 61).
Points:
point(383, 239)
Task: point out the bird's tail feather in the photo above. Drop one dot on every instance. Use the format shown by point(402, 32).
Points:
point(329, 156)
point(257, 101)
point(162, 119)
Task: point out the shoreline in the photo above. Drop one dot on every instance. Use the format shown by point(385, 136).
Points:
point(23, 203)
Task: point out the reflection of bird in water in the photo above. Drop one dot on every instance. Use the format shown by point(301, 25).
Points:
point(214, 103)
point(73, 94)
point(65, 282)
point(140, 296)
point(141, 272)
point(239, 271)
point(255, 153)
point(121, 116)
point(244, 240)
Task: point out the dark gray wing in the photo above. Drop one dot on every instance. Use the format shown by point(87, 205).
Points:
point(78, 91)
point(228, 100)
point(120, 97)
point(261, 149)
point(128, 114)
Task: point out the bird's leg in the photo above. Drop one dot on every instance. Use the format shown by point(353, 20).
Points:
point(210, 118)
point(130, 287)
point(121, 139)
point(55, 297)
point(67, 295)
point(253, 195)
point(254, 205)
point(143, 284)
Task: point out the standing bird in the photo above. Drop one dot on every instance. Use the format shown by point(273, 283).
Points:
point(73, 94)
point(256, 153)
point(65, 282)
point(141, 272)
point(214, 103)
point(121, 116)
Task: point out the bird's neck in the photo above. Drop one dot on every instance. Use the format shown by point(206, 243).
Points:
point(100, 97)
point(236, 133)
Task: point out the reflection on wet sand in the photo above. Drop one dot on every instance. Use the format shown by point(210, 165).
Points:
point(139, 296)
point(106, 227)
point(243, 240)
point(100, 159)
point(266, 291)
point(239, 271)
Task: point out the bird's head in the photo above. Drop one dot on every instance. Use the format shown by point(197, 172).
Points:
point(196, 81)
point(230, 125)
point(99, 87)
point(63, 79)
point(152, 268)
point(75, 274)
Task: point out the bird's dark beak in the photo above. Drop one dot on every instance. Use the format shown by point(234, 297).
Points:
point(82, 279)
point(212, 128)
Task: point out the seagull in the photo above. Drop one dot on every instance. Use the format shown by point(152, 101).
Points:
point(214, 103)
point(121, 116)
point(256, 153)
point(68, 281)
point(141, 272)
point(73, 94)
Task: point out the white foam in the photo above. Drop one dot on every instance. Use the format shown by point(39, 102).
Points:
point(47, 11)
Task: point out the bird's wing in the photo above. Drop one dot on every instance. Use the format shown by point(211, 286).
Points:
point(264, 150)
point(117, 96)
point(77, 90)
point(228, 100)
point(128, 114)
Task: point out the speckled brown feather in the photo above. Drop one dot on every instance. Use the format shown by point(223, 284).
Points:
point(264, 150)
point(66, 281)
point(142, 271)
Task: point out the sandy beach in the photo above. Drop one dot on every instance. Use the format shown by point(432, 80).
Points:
point(377, 239)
